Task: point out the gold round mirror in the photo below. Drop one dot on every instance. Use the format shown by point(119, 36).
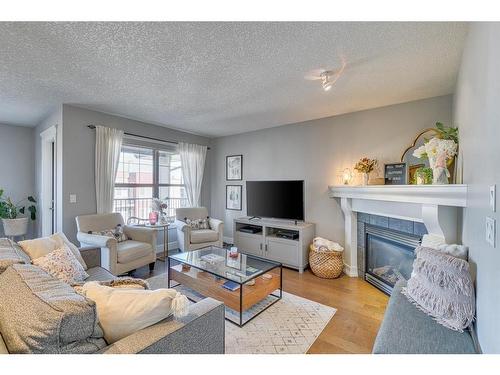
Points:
point(412, 162)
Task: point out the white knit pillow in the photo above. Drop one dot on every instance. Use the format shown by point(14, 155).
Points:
point(442, 287)
point(123, 311)
point(62, 264)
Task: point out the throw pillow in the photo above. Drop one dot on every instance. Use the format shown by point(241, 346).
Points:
point(197, 224)
point(193, 223)
point(40, 247)
point(62, 264)
point(124, 311)
point(61, 239)
point(116, 233)
point(442, 287)
point(204, 223)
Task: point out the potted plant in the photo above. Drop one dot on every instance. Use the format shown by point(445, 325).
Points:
point(365, 166)
point(423, 176)
point(13, 225)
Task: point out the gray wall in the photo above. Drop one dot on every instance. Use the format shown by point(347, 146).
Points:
point(477, 114)
point(17, 167)
point(79, 153)
point(317, 151)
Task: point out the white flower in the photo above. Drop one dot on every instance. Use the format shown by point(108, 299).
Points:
point(435, 147)
point(419, 152)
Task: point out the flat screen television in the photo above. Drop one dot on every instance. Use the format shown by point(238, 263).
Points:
point(276, 199)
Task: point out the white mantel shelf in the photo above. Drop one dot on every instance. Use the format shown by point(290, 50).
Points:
point(437, 206)
point(443, 195)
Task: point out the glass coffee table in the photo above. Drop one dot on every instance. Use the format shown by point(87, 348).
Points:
point(247, 285)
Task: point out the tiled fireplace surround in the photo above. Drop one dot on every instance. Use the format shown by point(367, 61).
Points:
point(405, 226)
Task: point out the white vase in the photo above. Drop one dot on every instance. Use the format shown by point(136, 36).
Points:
point(15, 227)
point(366, 176)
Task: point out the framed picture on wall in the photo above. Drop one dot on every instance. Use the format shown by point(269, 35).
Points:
point(234, 167)
point(233, 197)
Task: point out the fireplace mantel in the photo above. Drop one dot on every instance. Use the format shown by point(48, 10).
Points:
point(444, 195)
point(434, 205)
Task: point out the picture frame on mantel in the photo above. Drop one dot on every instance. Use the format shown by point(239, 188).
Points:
point(233, 197)
point(396, 173)
point(234, 167)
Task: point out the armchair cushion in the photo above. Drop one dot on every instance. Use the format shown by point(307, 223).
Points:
point(204, 235)
point(130, 250)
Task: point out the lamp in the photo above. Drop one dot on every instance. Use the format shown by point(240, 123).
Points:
point(346, 176)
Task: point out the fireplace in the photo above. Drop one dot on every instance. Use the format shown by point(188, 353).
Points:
point(389, 256)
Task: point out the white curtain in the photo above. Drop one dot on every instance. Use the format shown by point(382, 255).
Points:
point(108, 144)
point(193, 163)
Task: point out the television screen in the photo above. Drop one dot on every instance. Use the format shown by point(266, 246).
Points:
point(276, 199)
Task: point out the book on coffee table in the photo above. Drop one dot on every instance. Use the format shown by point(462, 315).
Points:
point(231, 285)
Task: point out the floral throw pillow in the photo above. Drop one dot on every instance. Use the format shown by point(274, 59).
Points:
point(62, 264)
point(197, 224)
point(116, 233)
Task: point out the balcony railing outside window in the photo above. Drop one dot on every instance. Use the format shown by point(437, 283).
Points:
point(141, 207)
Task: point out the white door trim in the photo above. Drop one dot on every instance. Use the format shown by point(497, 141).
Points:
point(47, 207)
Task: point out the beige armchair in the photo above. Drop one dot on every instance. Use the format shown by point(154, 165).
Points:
point(118, 257)
point(189, 239)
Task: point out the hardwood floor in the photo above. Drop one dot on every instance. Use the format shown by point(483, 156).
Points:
point(360, 308)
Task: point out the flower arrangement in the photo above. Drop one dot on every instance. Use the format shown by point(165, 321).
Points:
point(365, 165)
point(161, 207)
point(436, 147)
point(440, 150)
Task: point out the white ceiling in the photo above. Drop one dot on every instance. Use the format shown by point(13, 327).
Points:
point(219, 78)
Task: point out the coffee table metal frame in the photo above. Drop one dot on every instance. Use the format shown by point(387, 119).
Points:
point(239, 323)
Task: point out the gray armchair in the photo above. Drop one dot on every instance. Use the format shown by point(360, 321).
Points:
point(118, 257)
point(189, 239)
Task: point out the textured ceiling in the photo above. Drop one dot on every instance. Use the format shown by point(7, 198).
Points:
point(221, 78)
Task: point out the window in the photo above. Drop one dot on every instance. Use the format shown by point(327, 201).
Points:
point(146, 172)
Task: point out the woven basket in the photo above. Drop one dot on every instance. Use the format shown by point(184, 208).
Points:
point(326, 264)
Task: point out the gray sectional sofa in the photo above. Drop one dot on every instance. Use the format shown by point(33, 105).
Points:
point(41, 314)
point(407, 330)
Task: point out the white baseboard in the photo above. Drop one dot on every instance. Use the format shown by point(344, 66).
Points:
point(171, 246)
point(228, 240)
point(350, 271)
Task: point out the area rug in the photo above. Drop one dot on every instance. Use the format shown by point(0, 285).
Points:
point(290, 326)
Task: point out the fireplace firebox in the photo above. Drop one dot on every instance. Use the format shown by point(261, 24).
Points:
point(389, 256)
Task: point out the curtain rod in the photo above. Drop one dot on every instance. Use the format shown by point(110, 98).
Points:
point(145, 137)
